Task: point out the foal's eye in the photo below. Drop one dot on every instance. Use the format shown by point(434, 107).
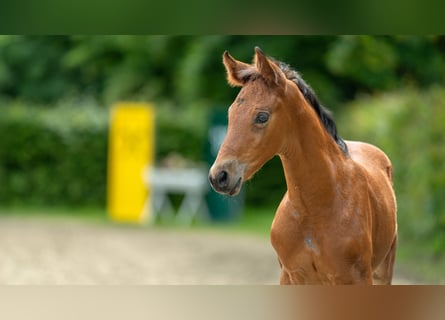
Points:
point(261, 117)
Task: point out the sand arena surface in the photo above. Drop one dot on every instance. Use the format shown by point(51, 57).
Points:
point(71, 252)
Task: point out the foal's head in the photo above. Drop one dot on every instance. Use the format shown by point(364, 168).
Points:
point(257, 119)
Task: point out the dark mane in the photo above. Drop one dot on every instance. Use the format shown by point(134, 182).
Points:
point(324, 115)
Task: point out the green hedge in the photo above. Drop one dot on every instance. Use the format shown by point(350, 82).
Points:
point(58, 155)
point(181, 130)
point(53, 156)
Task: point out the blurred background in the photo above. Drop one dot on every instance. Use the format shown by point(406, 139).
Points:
point(57, 93)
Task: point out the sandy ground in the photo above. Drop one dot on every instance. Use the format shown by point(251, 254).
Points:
point(48, 252)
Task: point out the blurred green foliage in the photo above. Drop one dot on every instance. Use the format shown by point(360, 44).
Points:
point(53, 155)
point(187, 69)
point(198, 17)
point(180, 132)
point(55, 92)
point(58, 155)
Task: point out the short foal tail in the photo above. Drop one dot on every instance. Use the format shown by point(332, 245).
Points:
point(389, 172)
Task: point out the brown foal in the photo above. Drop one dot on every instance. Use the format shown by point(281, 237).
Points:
point(336, 224)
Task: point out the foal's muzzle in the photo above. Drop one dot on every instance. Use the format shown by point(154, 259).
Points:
point(227, 178)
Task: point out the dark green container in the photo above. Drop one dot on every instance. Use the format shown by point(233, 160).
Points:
point(221, 208)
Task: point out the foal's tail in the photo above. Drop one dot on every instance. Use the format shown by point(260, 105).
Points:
point(386, 165)
point(389, 172)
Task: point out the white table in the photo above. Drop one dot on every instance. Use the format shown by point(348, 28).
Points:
point(191, 182)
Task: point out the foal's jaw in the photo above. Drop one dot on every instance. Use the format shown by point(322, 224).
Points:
point(227, 177)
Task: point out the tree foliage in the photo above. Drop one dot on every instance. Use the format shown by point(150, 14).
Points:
point(183, 76)
point(186, 69)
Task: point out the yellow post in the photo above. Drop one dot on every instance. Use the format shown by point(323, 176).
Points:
point(131, 151)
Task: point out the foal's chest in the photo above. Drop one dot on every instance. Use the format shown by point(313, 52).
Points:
point(300, 249)
point(306, 263)
point(303, 263)
point(307, 257)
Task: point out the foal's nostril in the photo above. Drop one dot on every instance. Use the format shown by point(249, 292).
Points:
point(222, 179)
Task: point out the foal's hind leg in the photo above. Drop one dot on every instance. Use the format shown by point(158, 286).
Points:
point(383, 273)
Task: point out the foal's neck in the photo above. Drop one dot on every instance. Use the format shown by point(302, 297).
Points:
point(312, 161)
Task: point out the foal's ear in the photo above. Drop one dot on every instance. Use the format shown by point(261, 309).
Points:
point(268, 69)
point(236, 70)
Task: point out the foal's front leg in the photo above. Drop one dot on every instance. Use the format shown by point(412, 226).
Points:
point(284, 277)
point(360, 273)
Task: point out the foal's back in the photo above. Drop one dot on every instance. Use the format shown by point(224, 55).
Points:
point(371, 158)
point(378, 170)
